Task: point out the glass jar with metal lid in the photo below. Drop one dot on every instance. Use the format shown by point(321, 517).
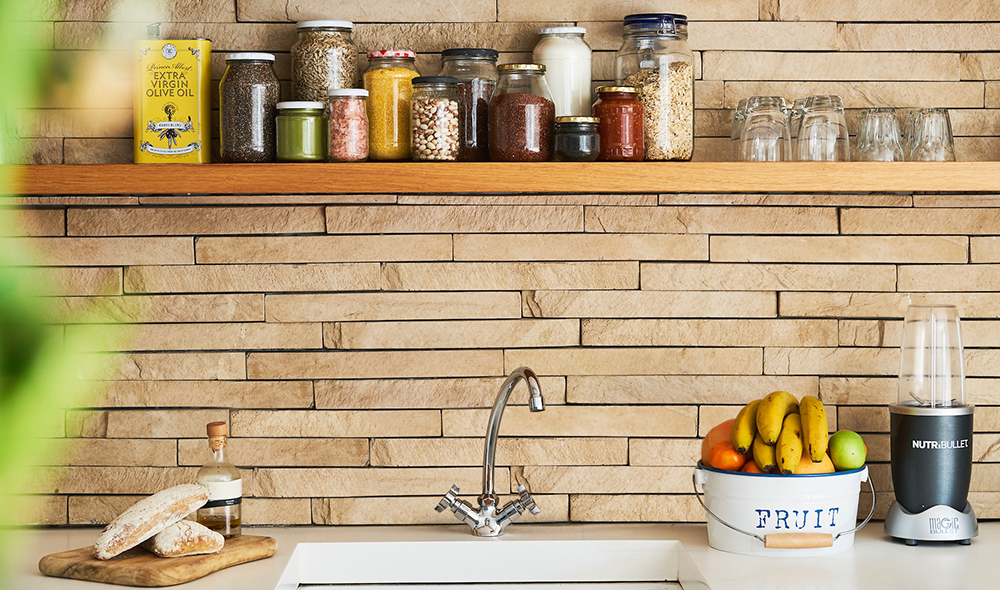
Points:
point(577, 139)
point(621, 127)
point(248, 94)
point(348, 125)
point(388, 81)
point(521, 115)
point(301, 131)
point(476, 72)
point(567, 60)
point(323, 58)
point(655, 59)
point(434, 119)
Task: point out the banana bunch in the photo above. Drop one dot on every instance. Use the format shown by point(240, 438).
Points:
point(778, 429)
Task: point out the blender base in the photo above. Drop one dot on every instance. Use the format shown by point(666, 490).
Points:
point(937, 523)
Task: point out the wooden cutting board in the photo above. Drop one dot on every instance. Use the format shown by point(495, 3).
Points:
point(138, 567)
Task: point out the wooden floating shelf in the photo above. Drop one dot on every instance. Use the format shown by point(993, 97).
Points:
point(506, 178)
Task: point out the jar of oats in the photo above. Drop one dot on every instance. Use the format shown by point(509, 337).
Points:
point(323, 58)
point(655, 59)
point(388, 81)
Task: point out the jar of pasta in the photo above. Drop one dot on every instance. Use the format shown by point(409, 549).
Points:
point(388, 82)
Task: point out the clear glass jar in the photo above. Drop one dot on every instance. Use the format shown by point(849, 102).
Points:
point(620, 112)
point(248, 95)
point(301, 131)
point(655, 58)
point(567, 60)
point(348, 125)
point(323, 58)
point(476, 72)
point(521, 115)
point(577, 139)
point(434, 119)
point(388, 81)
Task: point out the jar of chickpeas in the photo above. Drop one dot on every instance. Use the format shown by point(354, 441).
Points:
point(388, 82)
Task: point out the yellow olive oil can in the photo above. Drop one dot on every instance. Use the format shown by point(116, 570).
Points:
point(172, 107)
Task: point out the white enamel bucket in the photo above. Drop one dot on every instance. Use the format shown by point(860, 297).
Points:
point(795, 515)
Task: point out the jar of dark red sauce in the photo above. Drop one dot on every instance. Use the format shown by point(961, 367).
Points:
point(621, 132)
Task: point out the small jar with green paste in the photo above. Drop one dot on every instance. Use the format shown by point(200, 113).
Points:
point(302, 131)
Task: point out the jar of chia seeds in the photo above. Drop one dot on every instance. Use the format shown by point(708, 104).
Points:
point(388, 82)
point(348, 125)
point(323, 58)
point(248, 97)
point(476, 72)
point(301, 131)
point(577, 139)
point(521, 115)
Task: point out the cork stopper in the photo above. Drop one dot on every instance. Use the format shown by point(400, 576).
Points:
point(217, 429)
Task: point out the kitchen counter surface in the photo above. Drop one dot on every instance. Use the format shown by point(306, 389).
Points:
point(876, 562)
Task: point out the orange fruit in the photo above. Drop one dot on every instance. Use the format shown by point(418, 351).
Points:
point(807, 465)
point(716, 435)
point(724, 456)
point(751, 467)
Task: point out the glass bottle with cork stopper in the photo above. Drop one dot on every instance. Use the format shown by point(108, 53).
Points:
point(222, 512)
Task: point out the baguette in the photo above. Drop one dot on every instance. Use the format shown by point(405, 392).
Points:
point(185, 538)
point(147, 517)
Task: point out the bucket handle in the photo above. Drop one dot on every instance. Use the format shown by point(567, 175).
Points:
point(788, 540)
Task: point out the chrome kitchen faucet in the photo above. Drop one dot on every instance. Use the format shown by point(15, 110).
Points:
point(487, 522)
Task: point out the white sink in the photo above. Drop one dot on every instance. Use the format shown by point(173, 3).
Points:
point(533, 557)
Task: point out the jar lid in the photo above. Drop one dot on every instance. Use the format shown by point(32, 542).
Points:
point(325, 24)
point(563, 31)
point(420, 80)
point(300, 104)
point(347, 92)
point(578, 120)
point(628, 89)
point(392, 53)
point(521, 68)
point(471, 52)
point(250, 57)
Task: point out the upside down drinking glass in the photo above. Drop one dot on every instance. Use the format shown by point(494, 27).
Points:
point(765, 136)
point(822, 135)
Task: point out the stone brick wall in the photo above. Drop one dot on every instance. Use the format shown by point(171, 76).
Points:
point(872, 53)
point(355, 343)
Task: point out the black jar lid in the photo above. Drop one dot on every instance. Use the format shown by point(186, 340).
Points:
point(434, 80)
point(656, 18)
point(471, 52)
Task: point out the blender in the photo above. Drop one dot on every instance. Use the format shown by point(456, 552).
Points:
point(931, 433)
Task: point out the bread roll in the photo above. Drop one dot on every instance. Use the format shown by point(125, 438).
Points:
point(147, 517)
point(185, 538)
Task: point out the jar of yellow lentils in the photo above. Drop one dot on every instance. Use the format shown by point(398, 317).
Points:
point(387, 81)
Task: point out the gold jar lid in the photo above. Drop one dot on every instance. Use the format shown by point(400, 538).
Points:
point(578, 120)
point(628, 89)
point(521, 68)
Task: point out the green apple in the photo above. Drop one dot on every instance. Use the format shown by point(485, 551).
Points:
point(847, 450)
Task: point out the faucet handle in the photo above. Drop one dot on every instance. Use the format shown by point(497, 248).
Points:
point(449, 499)
point(527, 501)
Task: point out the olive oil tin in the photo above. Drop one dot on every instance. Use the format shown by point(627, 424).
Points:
point(172, 106)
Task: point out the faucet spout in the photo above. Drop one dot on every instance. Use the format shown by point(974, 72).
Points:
point(535, 404)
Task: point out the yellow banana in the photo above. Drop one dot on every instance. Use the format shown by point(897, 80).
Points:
point(815, 433)
point(771, 413)
point(789, 449)
point(745, 427)
point(763, 455)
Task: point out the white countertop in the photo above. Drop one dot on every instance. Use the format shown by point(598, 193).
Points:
point(876, 562)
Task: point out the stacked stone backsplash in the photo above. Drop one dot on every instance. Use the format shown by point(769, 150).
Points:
point(355, 343)
point(873, 53)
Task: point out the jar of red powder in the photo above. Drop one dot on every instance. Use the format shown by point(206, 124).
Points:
point(621, 130)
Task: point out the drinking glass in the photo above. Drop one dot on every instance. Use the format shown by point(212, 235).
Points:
point(765, 135)
point(734, 133)
point(928, 136)
point(930, 366)
point(878, 137)
point(795, 122)
point(822, 134)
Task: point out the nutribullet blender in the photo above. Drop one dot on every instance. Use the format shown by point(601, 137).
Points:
point(931, 433)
